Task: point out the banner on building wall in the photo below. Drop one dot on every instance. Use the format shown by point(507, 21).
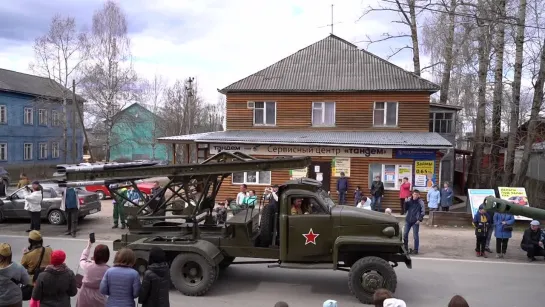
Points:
point(316, 151)
point(516, 196)
point(424, 174)
point(405, 171)
point(340, 165)
point(476, 198)
point(298, 173)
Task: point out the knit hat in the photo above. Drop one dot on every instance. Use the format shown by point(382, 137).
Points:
point(393, 302)
point(58, 257)
point(157, 255)
point(5, 250)
point(330, 303)
point(534, 223)
point(35, 235)
point(481, 207)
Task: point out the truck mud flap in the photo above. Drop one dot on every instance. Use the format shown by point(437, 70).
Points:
point(118, 244)
point(406, 258)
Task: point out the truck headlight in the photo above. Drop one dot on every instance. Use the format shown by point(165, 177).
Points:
point(389, 231)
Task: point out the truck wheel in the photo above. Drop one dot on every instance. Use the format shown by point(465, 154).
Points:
point(192, 275)
point(226, 262)
point(369, 274)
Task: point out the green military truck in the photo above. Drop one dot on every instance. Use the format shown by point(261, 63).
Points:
point(364, 243)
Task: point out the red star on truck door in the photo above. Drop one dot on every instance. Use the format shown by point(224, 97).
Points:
point(310, 237)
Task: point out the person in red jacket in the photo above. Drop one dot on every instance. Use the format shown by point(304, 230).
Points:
point(404, 193)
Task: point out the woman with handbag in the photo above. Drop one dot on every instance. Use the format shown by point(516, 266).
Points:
point(12, 275)
point(89, 293)
point(56, 284)
point(503, 229)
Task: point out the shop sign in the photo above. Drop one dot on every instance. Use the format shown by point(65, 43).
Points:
point(416, 154)
point(298, 173)
point(321, 151)
point(476, 198)
point(340, 165)
point(516, 196)
point(424, 174)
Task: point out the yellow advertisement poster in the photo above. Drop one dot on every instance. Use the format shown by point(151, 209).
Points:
point(340, 165)
point(405, 171)
point(299, 173)
point(516, 196)
point(424, 174)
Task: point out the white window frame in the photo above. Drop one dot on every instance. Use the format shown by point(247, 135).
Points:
point(55, 119)
point(42, 117)
point(3, 151)
point(321, 105)
point(252, 183)
point(42, 151)
point(265, 113)
point(452, 121)
point(3, 114)
point(396, 177)
point(30, 151)
point(31, 120)
point(55, 150)
point(384, 119)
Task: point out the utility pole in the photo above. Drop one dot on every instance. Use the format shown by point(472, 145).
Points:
point(332, 19)
point(74, 144)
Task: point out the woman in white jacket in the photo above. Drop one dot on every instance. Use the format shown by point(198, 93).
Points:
point(33, 204)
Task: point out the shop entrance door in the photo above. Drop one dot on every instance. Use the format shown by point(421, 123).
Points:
point(321, 170)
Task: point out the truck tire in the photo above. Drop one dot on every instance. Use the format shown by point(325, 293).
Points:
point(266, 227)
point(369, 274)
point(192, 275)
point(226, 262)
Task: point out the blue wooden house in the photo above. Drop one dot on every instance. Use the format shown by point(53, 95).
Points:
point(134, 135)
point(31, 125)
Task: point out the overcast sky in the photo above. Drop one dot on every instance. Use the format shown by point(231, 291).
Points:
point(216, 41)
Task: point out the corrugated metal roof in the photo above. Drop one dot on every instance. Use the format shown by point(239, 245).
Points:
point(13, 81)
point(318, 138)
point(332, 64)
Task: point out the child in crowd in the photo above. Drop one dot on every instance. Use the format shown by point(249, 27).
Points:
point(330, 303)
point(388, 211)
point(458, 301)
point(481, 222)
point(250, 200)
point(281, 304)
point(358, 194)
point(365, 203)
point(221, 211)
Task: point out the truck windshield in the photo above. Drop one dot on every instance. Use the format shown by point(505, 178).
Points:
point(325, 197)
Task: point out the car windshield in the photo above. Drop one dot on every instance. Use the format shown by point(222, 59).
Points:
point(325, 197)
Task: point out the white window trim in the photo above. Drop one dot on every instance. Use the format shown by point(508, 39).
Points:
point(252, 183)
point(453, 120)
point(5, 150)
point(265, 113)
point(55, 122)
point(385, 113)
point(55, 154)
point(31, 151)
point(40, 145)
point(396, 179)
point(42, 113)
point(322, 103)
point(31, 116)
point(4, 121)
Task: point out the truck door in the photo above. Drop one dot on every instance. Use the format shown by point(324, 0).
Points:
point(309, 235)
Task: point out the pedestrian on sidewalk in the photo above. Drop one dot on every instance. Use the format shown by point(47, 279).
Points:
point(358, 194)
point(121, 283)
point(532, 241)
point(156, 282)
point(415, 215)
point(377, 191)
point(404, 193)
point(33, 204)
point(446, 197)
point(434, 198)
point(481, 222)
point(342, 188)
point(490, 231)
point(70, 206)
point(56, 284)
point(94, 270)
point(503, 229)
point(119, 207)
point(36, 257)
point(12, 275)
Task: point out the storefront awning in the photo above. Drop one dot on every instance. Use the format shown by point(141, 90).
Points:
point(423, 140)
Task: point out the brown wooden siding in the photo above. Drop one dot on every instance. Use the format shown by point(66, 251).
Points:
point(359, 176)
point(354, 111)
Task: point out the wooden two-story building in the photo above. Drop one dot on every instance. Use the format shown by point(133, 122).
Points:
point(348, 109)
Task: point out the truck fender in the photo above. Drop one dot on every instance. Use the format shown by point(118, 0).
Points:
point(360, 240)
point(206, 249)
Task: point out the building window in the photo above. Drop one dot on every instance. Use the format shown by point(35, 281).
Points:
point(442, 122)
point(43, 151)
point(3, 152)
point(385, 114)
point(390, 174)
point(55, 150)
point(265, 113)
point(323, 113)
point(42, 117)
point(55, 119)
point(3, 114)
point(29, 116)
point(27, 155)
point(263, 178)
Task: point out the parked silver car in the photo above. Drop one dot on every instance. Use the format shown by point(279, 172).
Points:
point(13, 206)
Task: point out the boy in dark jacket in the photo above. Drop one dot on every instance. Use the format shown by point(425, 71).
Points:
point(482, 222)
point(156, 282)
point(342, 187)
point(377, 191)
point(358, 194)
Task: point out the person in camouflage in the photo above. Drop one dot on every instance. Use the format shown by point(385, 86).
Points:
point(119, 208)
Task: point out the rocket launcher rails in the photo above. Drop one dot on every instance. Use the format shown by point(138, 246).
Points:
point(494, 204)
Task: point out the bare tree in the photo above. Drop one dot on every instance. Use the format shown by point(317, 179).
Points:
point(152, 98)
point(110, 80)
point(59, 55)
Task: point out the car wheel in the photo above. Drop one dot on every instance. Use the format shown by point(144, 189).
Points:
point(56, 217)
point(101, 195)
point(192, 274)
point(369, 274)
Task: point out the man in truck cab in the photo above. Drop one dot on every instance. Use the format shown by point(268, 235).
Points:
point(296, 206)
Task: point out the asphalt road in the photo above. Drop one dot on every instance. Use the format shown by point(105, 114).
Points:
point(431, 282)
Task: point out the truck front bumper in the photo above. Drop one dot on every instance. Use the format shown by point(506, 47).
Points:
point(403, 256)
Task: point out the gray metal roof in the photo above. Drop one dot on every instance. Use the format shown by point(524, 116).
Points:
point(318, 138)
point(16, 82)
point(332, 64)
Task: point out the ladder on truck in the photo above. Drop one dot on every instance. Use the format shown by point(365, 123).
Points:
point(191, 184)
